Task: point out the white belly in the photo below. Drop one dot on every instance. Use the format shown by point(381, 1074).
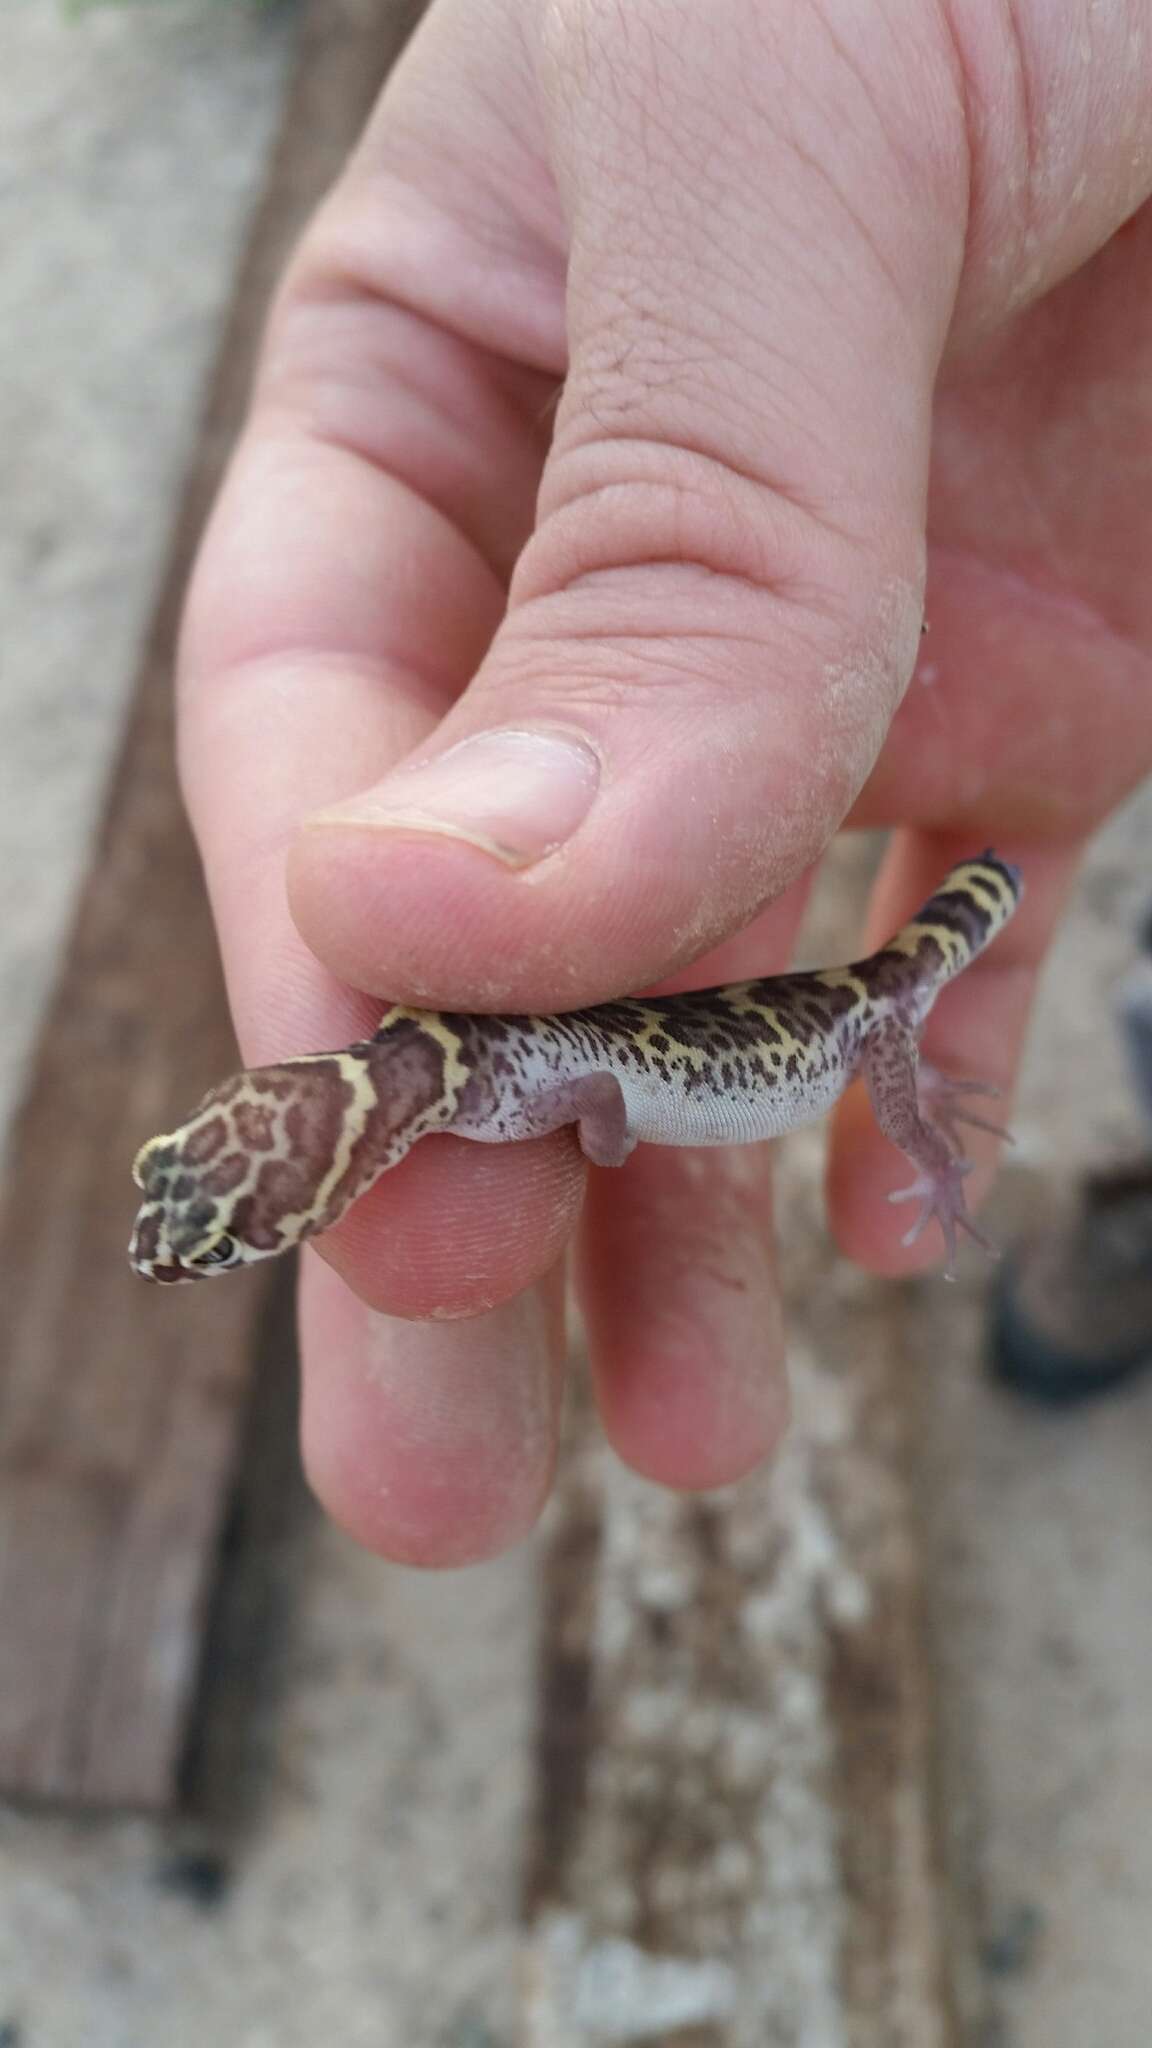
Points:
point(663, 1115)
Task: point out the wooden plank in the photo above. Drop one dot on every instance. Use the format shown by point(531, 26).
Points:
point(120, 1404)
point(735, 1838)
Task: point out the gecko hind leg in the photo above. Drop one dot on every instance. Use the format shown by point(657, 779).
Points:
point(937, 1095)
point(595, 1104)
point(922, 1124)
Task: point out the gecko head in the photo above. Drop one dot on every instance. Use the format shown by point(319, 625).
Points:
point(261, 1163)
point(277, 1154)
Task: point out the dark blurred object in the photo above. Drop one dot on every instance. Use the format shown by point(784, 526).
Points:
point(201, 1876)
point(1071, 1310)
point(1072, 1307)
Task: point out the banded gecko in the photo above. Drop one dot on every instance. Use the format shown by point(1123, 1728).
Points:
point(278, 1153)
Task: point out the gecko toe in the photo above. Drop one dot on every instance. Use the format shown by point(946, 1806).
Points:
point(941, 1197)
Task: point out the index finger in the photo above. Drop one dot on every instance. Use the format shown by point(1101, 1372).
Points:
point(334, 613)
point(313, 656)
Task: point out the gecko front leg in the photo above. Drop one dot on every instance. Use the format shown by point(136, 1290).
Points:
point(595, 1104)
point(903, 1110)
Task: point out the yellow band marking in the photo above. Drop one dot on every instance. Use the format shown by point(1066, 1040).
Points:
point(456, 1070)
point(352, 1126)
point(656, 1026)
point(846, 977)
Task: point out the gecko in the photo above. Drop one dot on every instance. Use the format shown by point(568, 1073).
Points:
point(277, 1154)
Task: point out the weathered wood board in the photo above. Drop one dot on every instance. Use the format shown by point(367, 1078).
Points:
point(119, 1404)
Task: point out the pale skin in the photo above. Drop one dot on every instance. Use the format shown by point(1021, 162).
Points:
point(838, 278)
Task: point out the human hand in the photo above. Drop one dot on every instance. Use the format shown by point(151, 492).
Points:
point(776, 257)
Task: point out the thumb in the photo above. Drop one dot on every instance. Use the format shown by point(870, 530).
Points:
point(713, 620)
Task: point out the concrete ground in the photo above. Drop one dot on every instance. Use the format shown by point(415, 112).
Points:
point(351, 1870)
point(132, 140)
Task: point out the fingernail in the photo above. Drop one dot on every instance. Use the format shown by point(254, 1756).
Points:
point(516, 795)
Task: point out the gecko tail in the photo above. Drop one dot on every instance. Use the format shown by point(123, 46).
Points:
point(972, 905)
point(1014, 875)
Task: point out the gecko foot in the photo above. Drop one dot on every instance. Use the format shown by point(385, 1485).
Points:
point(940, 1193)
point(937, 1094)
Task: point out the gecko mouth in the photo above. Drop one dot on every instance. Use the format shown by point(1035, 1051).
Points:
point(169, 1275)
point(151, 1256)
point(167, 1272)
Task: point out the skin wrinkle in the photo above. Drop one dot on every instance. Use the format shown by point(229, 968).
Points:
point(805, 597)
point(797, 370)
point(1070, 608)
point(497, 551)
point(954, 775)
point(793, 397)
point(590, 581)
point(378, 242)
point(948, 163)
point(1018, 181)
point(814, 164)
point(621, 583)
point(484, 209)
point(1029, 133)
point(912, 161)
point(498, 563)
point(410, 678)
point(721, 473)
point(270, 610)
point(1026, 229)
point(775, 371)
point(626, 674)
point(675, 654)
point(301, 357)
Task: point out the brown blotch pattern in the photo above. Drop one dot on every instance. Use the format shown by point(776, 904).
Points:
point(407, 1073)
point(228, 1174)
point(274, 1082)
point(314, 1119)
point(283, 1188)
point(255, 1126)
point(203, 1143)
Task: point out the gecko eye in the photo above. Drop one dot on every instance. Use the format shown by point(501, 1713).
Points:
point(219, 1254)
